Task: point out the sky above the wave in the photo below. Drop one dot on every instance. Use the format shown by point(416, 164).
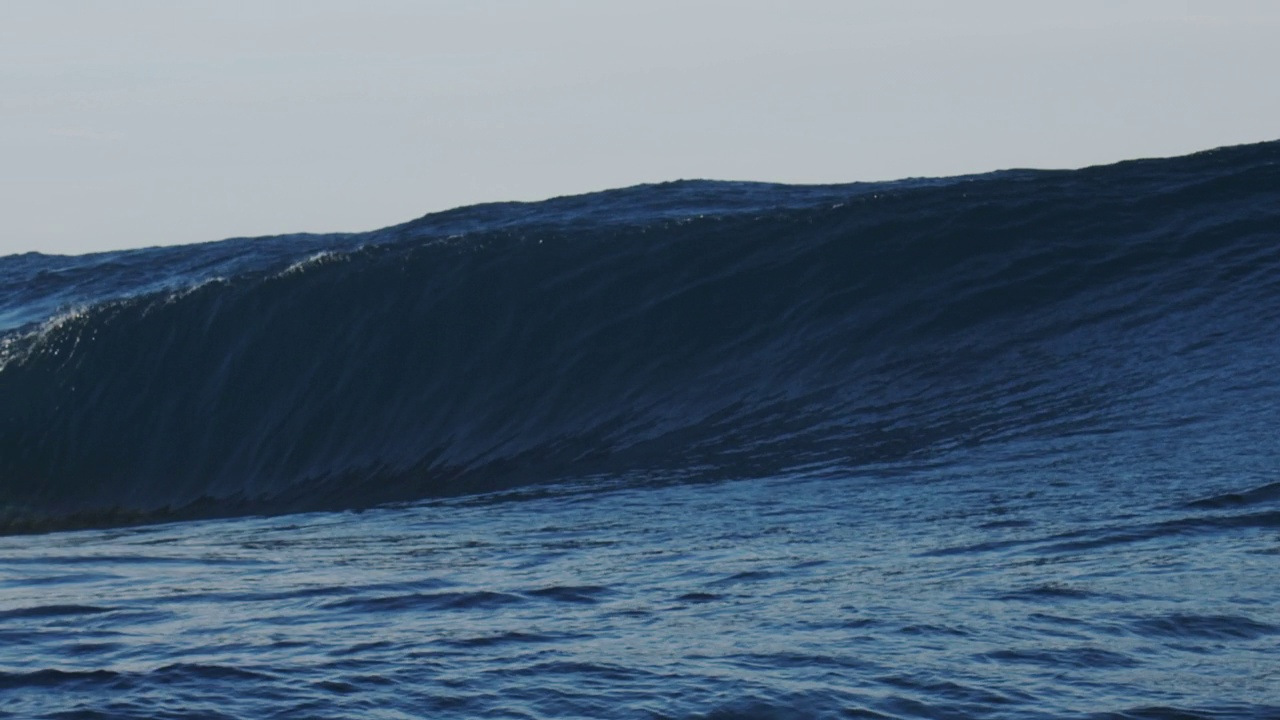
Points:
point(127, 124)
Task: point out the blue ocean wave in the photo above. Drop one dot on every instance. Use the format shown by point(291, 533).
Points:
point(737, 329)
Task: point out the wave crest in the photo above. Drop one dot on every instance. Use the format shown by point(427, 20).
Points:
point(733, 328)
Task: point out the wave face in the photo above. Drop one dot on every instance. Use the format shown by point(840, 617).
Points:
point(702, 329)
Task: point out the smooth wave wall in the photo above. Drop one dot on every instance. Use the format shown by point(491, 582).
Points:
point(726, 328)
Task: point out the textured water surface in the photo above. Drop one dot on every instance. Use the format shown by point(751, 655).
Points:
point(940, 595)
point(999, 446)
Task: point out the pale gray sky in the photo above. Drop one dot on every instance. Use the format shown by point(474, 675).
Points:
point(126, 123)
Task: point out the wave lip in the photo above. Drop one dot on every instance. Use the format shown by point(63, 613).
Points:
point(727, 329)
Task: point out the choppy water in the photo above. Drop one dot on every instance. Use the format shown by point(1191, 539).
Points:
point(951, 592)
point(996, 446)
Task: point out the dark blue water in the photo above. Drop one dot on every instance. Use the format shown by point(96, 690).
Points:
point(992, 446)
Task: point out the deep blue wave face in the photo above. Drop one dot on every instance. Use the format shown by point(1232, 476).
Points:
point(999, 446)
point(727, 329)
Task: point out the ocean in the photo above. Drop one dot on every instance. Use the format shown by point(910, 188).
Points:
point(992, 446)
